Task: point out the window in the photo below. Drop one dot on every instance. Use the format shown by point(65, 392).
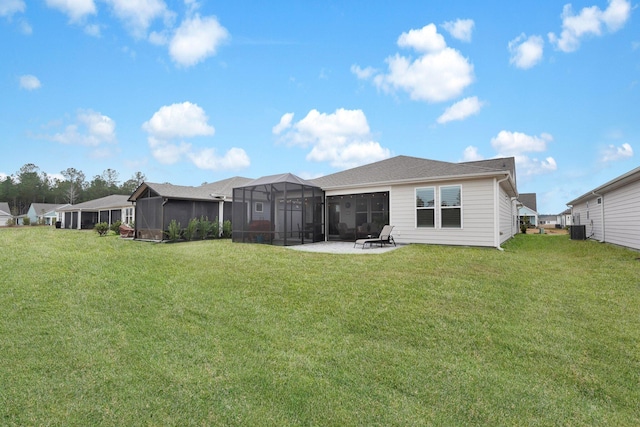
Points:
point(258, 206)
point(128, 215)
point(451, 206)
point(425, 207)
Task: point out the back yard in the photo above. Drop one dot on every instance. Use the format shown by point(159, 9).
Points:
point(106, 331)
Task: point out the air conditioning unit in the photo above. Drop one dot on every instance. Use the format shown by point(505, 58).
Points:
point(578, 232)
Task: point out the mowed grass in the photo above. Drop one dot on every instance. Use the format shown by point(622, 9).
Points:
point(107, 331)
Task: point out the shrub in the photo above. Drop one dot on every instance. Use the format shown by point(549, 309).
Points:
point(523, 228)
point(215, 228)
point(102, 228)
point(26, 221)
point(226, 229)
point(115, 227)
point(192, 228)
point(174, 232)
point(204, 227)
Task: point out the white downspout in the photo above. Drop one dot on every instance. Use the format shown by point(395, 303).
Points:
point(497, 210)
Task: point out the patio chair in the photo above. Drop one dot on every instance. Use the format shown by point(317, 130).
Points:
point(384, 238)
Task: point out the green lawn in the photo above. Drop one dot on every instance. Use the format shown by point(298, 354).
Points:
point(106, 331)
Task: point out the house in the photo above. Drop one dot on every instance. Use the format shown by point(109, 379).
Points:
point(548, 220)
point(609, 213)
point(156, 205)
point(427, 201)
point(42, 213)
point(528, 209)
point(5, 214)
point(109, 209)
point(565, 218)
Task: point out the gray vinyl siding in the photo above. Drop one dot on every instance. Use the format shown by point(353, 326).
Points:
point(478, 215)
point(622, 216)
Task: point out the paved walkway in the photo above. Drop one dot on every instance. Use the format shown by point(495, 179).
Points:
point(343, 248)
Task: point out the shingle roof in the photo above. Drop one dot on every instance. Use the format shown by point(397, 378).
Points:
point(405, 168)
point(209, 191)
point(108, 202)
point(622, 180)
point(529, 200)
point(4, 208)
point(280, 178)
point(40, 208)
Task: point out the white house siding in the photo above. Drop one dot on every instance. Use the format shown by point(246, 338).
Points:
point(508, 216)
point(622, 216)
point(478, 219)
point(589, 214)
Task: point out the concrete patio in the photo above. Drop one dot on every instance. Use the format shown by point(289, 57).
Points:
point(343, 248)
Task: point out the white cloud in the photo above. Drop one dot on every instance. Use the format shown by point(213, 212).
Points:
point(526, 52)
point(91, 128)
point(471, 154)
point(460, 29)
point(235, 158)
point(426, 39)
point(342, 138)
point(75, 9)
point(461, 110)
point(589, 22)
point(196, 39)
point(166, 152)
point(179, 121)
point(612, 153)
point(518, 144)
point(439, 74)
point(29, 82)
point(9, 7)
point(171, 123)
point(363, 73)
point(92, 30)
point(137, 15)
point(513, 143)
point(285, 123)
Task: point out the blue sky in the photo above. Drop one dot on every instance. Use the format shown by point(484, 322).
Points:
point(188, 92)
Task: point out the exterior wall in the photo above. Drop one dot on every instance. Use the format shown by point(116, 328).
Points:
point(622, 216)
point(478, 215)
point(508, 217)
point(4, 219)
point(589, 214)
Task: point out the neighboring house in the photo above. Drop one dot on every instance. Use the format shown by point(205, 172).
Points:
point(528, 209)
point(109, 209)
point(548, 220)
point(610, 212)
point(565, 218)
point(42, 213)
point(157, 205)
point(5, 214)
point(427, 201)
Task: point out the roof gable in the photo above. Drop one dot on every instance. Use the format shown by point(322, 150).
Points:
point(278, 179)
point(112, 201)
point(4, 208)
point(212, 191)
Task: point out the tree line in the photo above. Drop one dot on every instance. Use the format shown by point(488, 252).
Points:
point(30, 185)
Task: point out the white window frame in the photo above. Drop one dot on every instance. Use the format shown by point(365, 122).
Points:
point(433, 208)
point(259, 207)
point(441, 208)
